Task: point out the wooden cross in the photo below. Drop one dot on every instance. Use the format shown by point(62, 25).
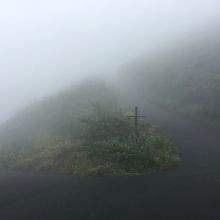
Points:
point(136, 116)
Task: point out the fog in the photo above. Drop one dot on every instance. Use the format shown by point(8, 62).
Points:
point(46, 45)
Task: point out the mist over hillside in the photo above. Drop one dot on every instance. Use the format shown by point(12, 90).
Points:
point(167, 56)
point(62, 133)
point(46, 45)
point(84, 130)
point(57, 116)
point(184, 78)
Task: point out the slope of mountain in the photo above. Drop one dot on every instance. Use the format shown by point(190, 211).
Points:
point(56, 116)
point(81, 131)
point(185, 79)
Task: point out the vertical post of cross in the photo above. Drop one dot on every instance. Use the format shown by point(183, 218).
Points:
point(136, 129)
point(136, 124)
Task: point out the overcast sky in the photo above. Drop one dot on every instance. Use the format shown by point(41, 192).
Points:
point(47, 44)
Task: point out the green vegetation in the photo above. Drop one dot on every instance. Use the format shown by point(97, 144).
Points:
point(111, 146)
point(69, 134)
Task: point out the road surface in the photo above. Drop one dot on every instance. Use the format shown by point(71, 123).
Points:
point(190, 192)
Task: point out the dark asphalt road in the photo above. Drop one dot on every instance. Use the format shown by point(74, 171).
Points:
point(189, 192)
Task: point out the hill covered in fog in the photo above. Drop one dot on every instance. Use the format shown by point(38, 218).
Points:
point(185, 78)
point(49, 134)
point(83, 131)
point(57, 115)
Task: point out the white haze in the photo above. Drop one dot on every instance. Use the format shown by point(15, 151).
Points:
point(47, 44)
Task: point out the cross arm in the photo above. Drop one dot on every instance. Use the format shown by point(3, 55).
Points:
point(130, 116)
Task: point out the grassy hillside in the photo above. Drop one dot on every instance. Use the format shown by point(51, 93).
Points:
point(82, 131)
point(185, 79)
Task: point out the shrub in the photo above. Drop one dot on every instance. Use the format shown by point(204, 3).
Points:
point(109, 140)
